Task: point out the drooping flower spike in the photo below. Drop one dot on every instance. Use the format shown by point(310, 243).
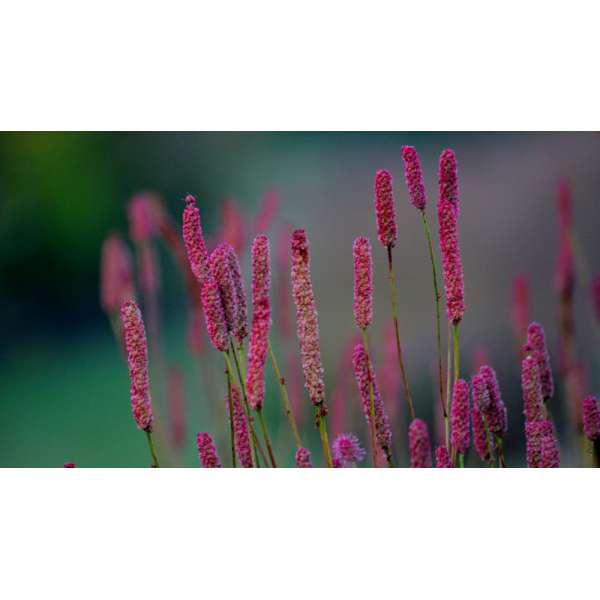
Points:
point(385, 211)
point(303, 460)
point(419, 445)
point(363, 286)
point(536, 346)
point(194, 240)
point(207, 451)
point(414, 177)
point(347, 449)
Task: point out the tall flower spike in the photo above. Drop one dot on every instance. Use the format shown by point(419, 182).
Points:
point(591, 418)
point(536, 346)
point(214, 314)
point(207, 452)
point(137, 360)
point(495, 410)
point(442, 458)
point(240, 428)
point(549, 452)
point(414, 177)
point(240, 325)
point(481, 440)
point(448, 232)
point(220, 267)
point(116, 274)
point(363, 290)
point(385, 211)
point(533, 403)
point(535, 431)
point(303, 459)
point(194, 240)
point(461, 430)
point(261, 322)
point(347, 449)
point(307, 322)
point(365, 378)
point(419, 445)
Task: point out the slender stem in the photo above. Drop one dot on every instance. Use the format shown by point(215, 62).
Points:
point(265, 433)
point(448, 384)
point(363, 332)
point(456, 351)
point(394, 302)
point(232, 429)
point(437, 296)
point(321, 418)
point(461, 460)
point(284, 397)
point(155, 462)
point(500, 449)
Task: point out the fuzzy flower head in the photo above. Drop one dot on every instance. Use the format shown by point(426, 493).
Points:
point(365, 378)
point(419, 445)
point(533, 402)
point(363, 287)
point(549, 451)
point(307, 322)
point(448, 178)
point(535, 432)
point(214, 314)
point(240, 324)
point(442, 458)
point(385, 211)
point(207, 451)
point(220, 267)
point(116, 274)
point(347, 449)
point(459, 417)
point(240, 429)
point(194, 240)
point(414, 177)
point(303, 460)
point(536, 346)
point(591, 418)
point(136, 346)
point(495, 409)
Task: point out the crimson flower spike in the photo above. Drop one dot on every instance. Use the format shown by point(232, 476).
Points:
point(194, 240)
point(207, 451)
point(385, 214)
point(460, 421)
point(136, 346)
point(220, 267)
point(307, 328)
point(536, 346)
point(483, 439)
point(442, 458)
point(494, 411)
point(240, 425)
point(347, 450)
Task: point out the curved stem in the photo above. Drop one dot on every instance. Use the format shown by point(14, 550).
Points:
point(363, 332)
point(155, 463)
point(232, 429)
point(265, 433)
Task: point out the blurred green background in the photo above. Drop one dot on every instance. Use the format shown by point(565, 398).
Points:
point(63, 385)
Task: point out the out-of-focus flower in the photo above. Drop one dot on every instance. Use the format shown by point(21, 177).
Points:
point(303, 460)
point(419, 445)
point(347, 449)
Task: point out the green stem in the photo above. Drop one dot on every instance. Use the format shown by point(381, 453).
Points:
point(448, 384)
point(394, 301)
point(456, 350)
point(284, 397)
point(232, 429)
point(155, 462)
point(461, 460)
point(500, 451)
point(321, 418)
point(363, 332)
point(266, 436)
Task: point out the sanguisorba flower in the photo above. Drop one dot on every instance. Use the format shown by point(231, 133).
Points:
point(261, 322)
point(303, 460)
point(347, 449)
point(448, 209)
point(591, 418)
point(214, 314)
point(461, 430)
point(363, 287)
point(136, 346)
point(414, 177)
point(442, 458)
point(385, 211)
point(365, 379)
point(240, 428)
point(307, 322)
point(533, 403)
point(194, 240)
point(116, 274)
point(419, 445)
point(536, 346)
point(220, 267)
point(207, 451)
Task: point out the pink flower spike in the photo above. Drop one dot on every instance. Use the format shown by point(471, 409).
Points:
point(136, 346)
point(536, 346)
point(214, 315)
point(448, 178)
point(385, 211)
point(521, 306)
point(207, 452)
point(307, 321)
point(419, 445)
point(414, 177)
point(595, 294)
point(240, 325)
point(116, 274)
point(481, 440)
point(495, 410)
point(303, 460)
point(533, 402)
point(459, 418)
point(347, 449)
point(69, 465)
point(535, 431)
point(363, 275)
point(240, 428)
point(442, 458)
point(194, 240)
point(220, 267)
point(261, 271)
point(591, 418)
point(549, 451)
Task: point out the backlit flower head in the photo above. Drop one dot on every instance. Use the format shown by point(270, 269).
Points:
point(459, 417)
point(220, 267)
point(303, 460)
point(116, 274)
point(347, 449)
point(536, 346)
point(207, 452)
point(385, 211)
point(307, 322)
point(442, 458)
point(419, 445)
point(591, 418)
point(414, 177)
point(533, 403)
point(214, 314)
point(240, 429)
point(194, 239)
point(363, 290)
point(136, 346)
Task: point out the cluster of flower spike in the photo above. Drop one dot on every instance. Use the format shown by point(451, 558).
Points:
point(363, 287)
point(220, 267)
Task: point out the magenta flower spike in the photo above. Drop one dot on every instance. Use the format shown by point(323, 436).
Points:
point(347, 450)
point(116, 274)
point(207, 451)
point(214, 314)
point(303, 460)
point(240, 428)
point(307, 322)
point(549, 451)
point(495, 410)
point(442, 458)
point(535, 431)
point(136, 346)
point(220, 267)
point(365, 378)
point(595, 296)
point(448, 232)
point(481, 441)
point(521, 306)
point(419, 445)
point(385, 211)
point(194, 240)
point(261, 322)
point(461, 430)
point(536, 346)
point(591, 418)
point(240, 324)
point(414, 177)
point(363, 287)
point(533, 402)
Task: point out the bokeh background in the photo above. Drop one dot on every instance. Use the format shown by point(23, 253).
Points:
point(63, 383)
